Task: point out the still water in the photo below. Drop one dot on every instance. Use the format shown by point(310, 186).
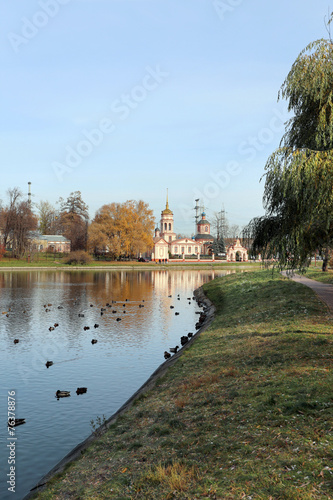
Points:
point(127, 352)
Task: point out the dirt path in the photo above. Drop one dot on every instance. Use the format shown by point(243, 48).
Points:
point(323, 290)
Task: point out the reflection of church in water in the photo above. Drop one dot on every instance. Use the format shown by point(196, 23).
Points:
point(166, 243)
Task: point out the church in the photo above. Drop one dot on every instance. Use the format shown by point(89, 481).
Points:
point(198, 247)
point(167, 245)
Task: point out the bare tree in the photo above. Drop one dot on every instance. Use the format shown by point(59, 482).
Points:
point(48, 218)
point(16, 220)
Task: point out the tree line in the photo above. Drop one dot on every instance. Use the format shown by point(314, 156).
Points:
point(120, 229)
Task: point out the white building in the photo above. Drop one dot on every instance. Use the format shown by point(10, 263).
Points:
point(166, 244)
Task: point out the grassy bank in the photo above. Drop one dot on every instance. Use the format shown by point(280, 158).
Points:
point(51, 263)
point(245, 412)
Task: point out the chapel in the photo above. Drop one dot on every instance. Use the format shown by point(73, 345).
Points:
point(166, 242)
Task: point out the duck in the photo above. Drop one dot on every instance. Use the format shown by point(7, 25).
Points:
point(81, 315)
point(15, 422)
point(176, 313)
point(51, 328)
point(81, 390)
point(174, 349)
point(114, 312)
point(96, 325)
point(167, 355)
point(62, 394)
point(60, 307)
point(190, 334)
point(86, 328)
point(16, 341)
point(94, 341)
point(183, 340)
point(118, 319)
point(48, 363)
point(55, 325)
point(172, 307)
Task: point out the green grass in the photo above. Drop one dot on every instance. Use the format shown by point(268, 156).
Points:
point(315, 273)
point(49, 260)
point(246, 412)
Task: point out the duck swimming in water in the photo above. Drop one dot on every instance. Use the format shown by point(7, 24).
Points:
point(81, 390)
point(48, 363)
point(15, 422)
point(62, 394)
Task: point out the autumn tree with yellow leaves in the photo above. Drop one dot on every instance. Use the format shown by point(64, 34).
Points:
point(122, 229)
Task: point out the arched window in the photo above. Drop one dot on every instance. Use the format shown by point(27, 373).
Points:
point(169, 226)
point(165, 226)
point(206, 229)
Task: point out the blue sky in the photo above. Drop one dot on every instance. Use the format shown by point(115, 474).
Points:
point(122, 99)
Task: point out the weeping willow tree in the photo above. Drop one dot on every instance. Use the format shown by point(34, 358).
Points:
point(298, 194)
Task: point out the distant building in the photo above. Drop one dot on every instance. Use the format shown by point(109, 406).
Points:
point(236, 252)
point(166, 243)
point(49, 242)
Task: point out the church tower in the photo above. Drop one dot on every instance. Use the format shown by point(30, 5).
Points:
point(203, 228)
point(167, 223)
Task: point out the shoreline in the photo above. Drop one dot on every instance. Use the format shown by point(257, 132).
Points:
point(122, 267)
point(76, 452)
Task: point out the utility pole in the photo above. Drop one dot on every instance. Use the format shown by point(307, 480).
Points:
point(221, 224)
point(196, 208)
point(29, 194)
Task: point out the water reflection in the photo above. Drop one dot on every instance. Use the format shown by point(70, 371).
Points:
point(130, 346)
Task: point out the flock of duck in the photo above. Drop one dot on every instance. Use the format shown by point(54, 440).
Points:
point(82, 390)
point(185, 338)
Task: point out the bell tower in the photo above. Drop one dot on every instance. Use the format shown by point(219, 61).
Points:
point(203, 227)
point(167, 223)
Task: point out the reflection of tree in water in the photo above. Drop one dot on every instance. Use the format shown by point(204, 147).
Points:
point(86, 292)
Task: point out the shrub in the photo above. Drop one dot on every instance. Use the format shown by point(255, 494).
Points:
point(77, 257)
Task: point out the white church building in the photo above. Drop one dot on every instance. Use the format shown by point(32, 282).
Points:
point(166, 244)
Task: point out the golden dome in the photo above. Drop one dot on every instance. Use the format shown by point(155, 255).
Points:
point(167, 210)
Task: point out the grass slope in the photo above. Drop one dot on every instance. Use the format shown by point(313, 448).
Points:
point(245, 413)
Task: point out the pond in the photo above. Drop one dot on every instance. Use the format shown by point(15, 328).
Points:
point(54, 316)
